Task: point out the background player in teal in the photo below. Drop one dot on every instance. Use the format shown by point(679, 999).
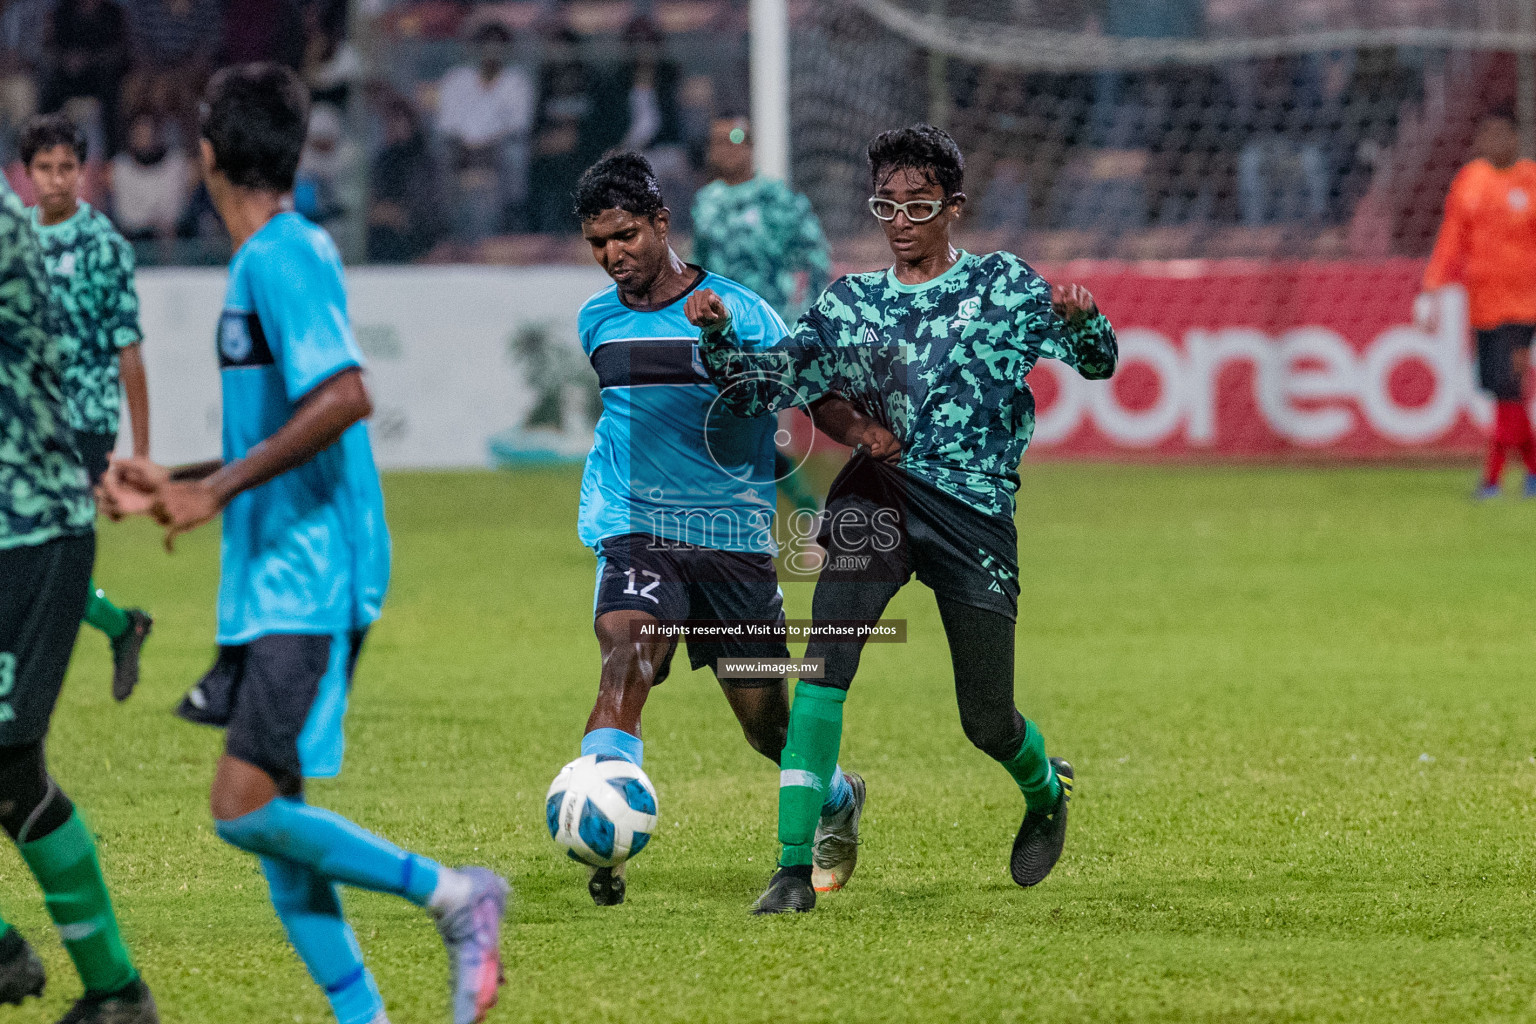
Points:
point(677, 497)
point(305, 563)
point(90, 272)
point(759, 232)
point(47, 542)
point(937, 348)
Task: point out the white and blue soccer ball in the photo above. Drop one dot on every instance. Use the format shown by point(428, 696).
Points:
point(601, 809)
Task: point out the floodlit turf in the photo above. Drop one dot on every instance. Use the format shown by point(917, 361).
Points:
point(1299, 702)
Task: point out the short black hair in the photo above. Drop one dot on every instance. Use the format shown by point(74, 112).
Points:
point(919, 147)
point(624, 181)
point(45, 131)
point(255, 116)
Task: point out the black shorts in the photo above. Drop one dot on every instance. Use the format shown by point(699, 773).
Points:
point(882, 525)
point(1496, 349)
point(280, 699)
point(677, 582)
point(95, 452)
point(42, 597)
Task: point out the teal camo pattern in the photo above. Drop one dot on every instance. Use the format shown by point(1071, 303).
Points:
point(90, 269)
point(43, 493)
point(941, 365)
point(761, 233)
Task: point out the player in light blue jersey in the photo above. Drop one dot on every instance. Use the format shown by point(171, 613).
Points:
point(305, 564)
point(678, 496)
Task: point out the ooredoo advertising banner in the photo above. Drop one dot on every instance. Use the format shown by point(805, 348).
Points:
point(1238, 359)
point(476, 366)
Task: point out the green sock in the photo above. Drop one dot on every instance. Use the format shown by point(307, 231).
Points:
point(105, 615)
point(1032, 770)
point(810, 758)
point(65, 865)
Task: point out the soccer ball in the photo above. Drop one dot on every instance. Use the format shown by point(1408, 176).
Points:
point(601, 809)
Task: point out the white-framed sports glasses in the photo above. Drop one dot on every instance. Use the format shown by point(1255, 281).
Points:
point(918, 211)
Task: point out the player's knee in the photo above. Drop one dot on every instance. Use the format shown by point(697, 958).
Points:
point(997, 736)
point(767, 737)
point(31, 803)
point(628, 666)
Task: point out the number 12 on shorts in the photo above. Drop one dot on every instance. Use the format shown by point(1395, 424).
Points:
point(644, 591)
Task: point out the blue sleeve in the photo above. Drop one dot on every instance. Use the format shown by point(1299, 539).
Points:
point(758, 327)
point(298, 294)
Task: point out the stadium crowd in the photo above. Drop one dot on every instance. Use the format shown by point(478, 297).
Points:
point(453, 131)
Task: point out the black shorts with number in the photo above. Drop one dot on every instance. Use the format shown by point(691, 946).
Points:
point(95, 451)
point(1496, 350)
point(42, 596)
point(882, 525)
point(676, 582)
point(262, 694)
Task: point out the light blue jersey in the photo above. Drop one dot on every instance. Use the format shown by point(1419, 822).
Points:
point(668, 459)
point(308, 551)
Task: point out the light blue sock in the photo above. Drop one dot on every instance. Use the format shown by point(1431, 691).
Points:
point(333, 847)
point(310, 910)
point(838, 794)
point(614, 743)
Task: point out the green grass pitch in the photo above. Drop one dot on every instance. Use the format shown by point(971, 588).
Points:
point(1299, 702)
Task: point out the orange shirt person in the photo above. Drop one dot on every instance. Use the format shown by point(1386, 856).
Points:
point(1487, 243)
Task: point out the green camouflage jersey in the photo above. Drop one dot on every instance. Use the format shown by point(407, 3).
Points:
point(90, 269)
point(941, 364)
point(760, 234)
point(43, 493)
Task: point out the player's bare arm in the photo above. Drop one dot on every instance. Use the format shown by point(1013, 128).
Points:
point(326, 413)
point(849, 425)
point(136, 391)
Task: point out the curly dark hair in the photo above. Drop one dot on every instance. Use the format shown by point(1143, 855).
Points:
point(920, 147)
point(255, 117)
point(46, 131)
point(624, 181)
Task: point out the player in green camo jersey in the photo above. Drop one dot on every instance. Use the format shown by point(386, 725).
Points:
point(936, 349)
point(47, 541)
point(761, 233)
point(90, 273)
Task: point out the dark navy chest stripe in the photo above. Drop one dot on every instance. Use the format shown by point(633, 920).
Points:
point(636, 362)
point(242, 342)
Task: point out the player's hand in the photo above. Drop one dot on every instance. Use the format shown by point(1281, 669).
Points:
point(129, 487)
point(182, 506)
point(1072, 302)
point(878, 442)
point(704, 310)
point(1426, 313)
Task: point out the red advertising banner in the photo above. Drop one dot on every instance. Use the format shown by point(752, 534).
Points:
point(1246, 359)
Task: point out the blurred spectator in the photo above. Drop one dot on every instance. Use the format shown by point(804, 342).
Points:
point(174, 44)
point(332, 65)
point(1282, 169)
point(485, 116)
point(563, 145)
point(87, 46)
point(23, 27)
point(151, 183)
point(638, 108)
point(262, 30)
point(1369, 111)
point(403, 223)
point(325, 167)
